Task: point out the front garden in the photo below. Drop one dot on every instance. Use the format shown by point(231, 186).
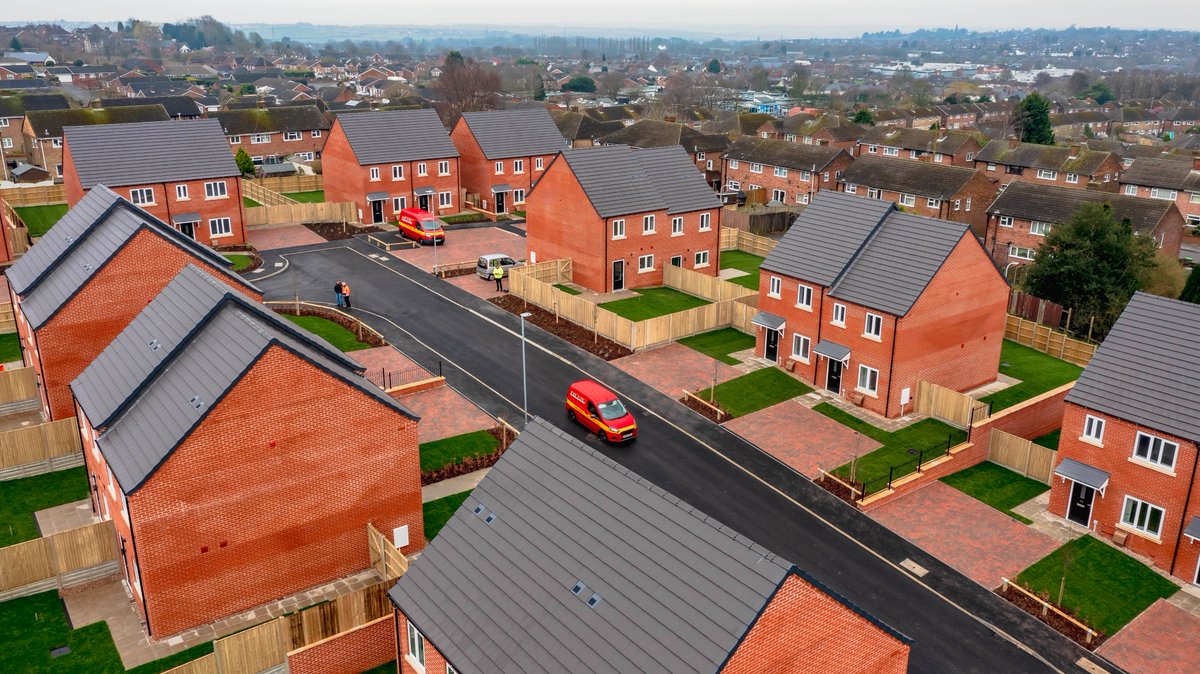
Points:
point(752, 392)
point(997, 486)
point(902, 452)
point(654, 302)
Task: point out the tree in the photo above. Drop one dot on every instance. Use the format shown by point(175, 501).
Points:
point(77, 62)
point(714, 66)
point(864, 116)
point(1091, 264)
point(1032, 119)
point(612, 82)
point(1078, 82)
point(15, 44)
point(984, 99)
point(539, 90)
point(759, 78)
point(1165, 278)
point(246, 89)
point(1099, 92)
point(244, 163)
point(466, 86)
point(798, 81)
point(454, 58)
point(1191, 289)
point(581, 83)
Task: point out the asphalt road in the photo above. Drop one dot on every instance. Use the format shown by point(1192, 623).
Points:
point(956, 625)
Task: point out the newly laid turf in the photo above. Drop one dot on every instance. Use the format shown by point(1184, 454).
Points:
point(10, 347)
point(654, 302)
point(239, 261)
point(720, 343)
point(747, 262)
point(331, 332)
point(39, 219)
point(567, 289)
point(1049, 440)
point(20, 498)
point(901, 449)
point(447, 451)
point(996, 486)
point(755, 391)
point(309, 197)
point(247, 202)
point(438, 512)
point(1037, 372)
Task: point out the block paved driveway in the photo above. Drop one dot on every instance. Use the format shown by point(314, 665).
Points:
point(674, 368)
point(465, 245)
point(969, 535)
point(282, 237)
point(1162, 640)
point(807, 441)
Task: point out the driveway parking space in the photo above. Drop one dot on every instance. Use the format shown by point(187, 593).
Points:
point(969, 535)
point(1163, 639)
point(282, 237)
point(674, 368)
point(465, 245)
point(807, 441)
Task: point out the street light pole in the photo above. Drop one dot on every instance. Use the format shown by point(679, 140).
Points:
point(524, 378)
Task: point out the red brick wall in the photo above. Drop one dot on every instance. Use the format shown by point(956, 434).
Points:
point(560, 223)
point(271, 495)
point(663, 245)
point(435, 662)
point(279, 147)
point(104, 306)
point(479, 172)
point(1183, 200)
point(350, 652)
point(1030, 420)
point(1111, 167)
point(1168, 234)
point(805, 631)
point(968, 205)
point(13, 133)
point(792, 184)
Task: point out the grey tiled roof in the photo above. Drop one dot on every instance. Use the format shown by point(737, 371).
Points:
point(380, 137)
point(1175, 174)
point(782, 153)
point(172, 364)
point(81, 243)
point(151, 152)
point(51, 123)
point(526, 132)
point(1049, 203)
point(176, 106)
point(1147, 368)
point(272, 120)
point(865, 251)
point(677, 589)
point(656, 133)
point(1056, 158)
point(926, 179)
point(621, 180)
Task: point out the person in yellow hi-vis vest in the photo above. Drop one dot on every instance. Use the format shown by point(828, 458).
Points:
point(498, 274)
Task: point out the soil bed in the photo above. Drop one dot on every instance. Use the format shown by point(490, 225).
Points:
point(571, 332)
point(1064, 626)
point(336, 231)
point(836, 488)
point(714, 415)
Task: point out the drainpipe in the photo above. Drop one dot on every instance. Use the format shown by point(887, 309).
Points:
point(167, 203)
point(887, 402)
point(608, 262)
point(136, 562)
point(1183, 517)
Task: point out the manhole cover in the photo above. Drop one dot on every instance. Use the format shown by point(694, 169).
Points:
point(60, 651)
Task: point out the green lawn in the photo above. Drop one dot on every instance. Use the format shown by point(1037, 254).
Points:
point(39, 219)
point(925, 435)
point(996, 486)
point(247, 202)
point(1037, 372)
point(438, 512)
point(1049, 440)
point(385, 668)
point(331, 332)
point(654, 302)
point(239, 261)
point(453, 450)
point(567, 289)
point(35, 625)
point(747, 262)
point(720, 343)
point(309, 197)
point(518, 214)
point(10, 347)
point(755, 391)
point(460, 218)
point(1106, 588)
point(20, 498)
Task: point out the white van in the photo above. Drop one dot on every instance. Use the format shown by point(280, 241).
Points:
point(486, 263)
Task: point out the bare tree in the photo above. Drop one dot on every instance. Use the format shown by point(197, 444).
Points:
point(466, 86)
point(611, 83)
point(680, 91)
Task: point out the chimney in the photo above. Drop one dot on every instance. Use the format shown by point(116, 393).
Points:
point(262, 103)
point(1075, 150)
point(1013, 143)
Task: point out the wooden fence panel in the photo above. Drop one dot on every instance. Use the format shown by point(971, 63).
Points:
point(18, 384)
point(203, 665)
point(738, 239)
point(8, 318)
point(386, 559)
point(1021, 455)
point(36, 195)
point(283, 184)
point(300, 213)
point(1048, 341)
point(82, 548)
point(711, 288)
point(954, 408)
point(264, 196)
point(40, 443)
point(252, 650)
point(25, 563)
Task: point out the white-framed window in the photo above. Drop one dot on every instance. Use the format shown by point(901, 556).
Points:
point(399, 204)
point(1156, 450)
point(539, 163)
point(970, 156)
point(851, 188)
point(991, 167)
point(1164, 194)
point(618, 229)
point(142, 196)
point(874, 193)
point(908, 200)
point(872, 149)
point(706, 222)
point(967, 205)
point(891, 152)
point(733, 185)
point(181, 192)
point(913, 154)
point(56, 142)
point(1039, 228)
point(1020, 252)
point(445, 199)
point(260, 138)
point(518, 196)
point(801, 347)
point(647, 224)
point(220, 227)
point(398, 172)
point(215, 190)
point(779, 195)
point(443, 168)
point(939, 158)
point(676, 260)
point(780, 172)
point(316, 133)
point(1142, 516)
point(1047, 174)
point(839, 315)
point(804, 295)
point(775, 287)
point(3, 122)
point(825, 176)
point(957, 204)
point(645, 263)
point(873, 325)
point(422, 169)
point(701, 260)
point(7, 143)
point(1194, 197)
point(518, 166)
point(1006, 221)
point(755, 167)
point(868, 380)
point(292, 135)
point(1093, 429)
point(676, 226)
point(235, 140)
point(499, 168)
point(733, 163)
point(416, 646)
point(699, 156)
point(930, 202)
point(1073, 178)
point(304, 156)
point(374, 173)
point(806, 176)
point(802, 198)
point(1131, 190)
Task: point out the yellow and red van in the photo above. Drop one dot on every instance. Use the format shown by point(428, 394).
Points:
point(600, 411)
point(421, 226)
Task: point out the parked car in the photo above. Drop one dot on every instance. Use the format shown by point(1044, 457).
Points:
point(600, 411)
point(490, 261)
point(421, 226)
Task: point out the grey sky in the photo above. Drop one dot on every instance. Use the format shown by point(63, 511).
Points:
point(807, 19)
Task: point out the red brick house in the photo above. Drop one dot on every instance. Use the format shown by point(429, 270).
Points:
point(214, 434)
point(706, 149)
point(86, 279)
point(1128, 452)
point(1136, 122)
point(294, 133)
point(956, 148)
point(606, 572)
point(790, 173)
point(1174, 180)
point(863, 300)
point(43, 129)
point(1070, 166)
point(1177, 122)
point(942, 191)
point(831, 131)
point(12, 124)
point(386, 161)
point(1021, 217)
point(179, 171)
point(504, 153)
point(622, 213)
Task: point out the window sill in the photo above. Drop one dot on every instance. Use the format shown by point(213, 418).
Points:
point(397, 180)
point(675, 234)
point(644, 271)
point(801, 307)
point(869, 394)
point(873, 338)
point(1091, 441)
point(1152, 466)
point(700, 266)
point(216, 198)
point(619, 238)
point(376, 180)
point(798, 359)
point(443, 175)
point(774, 296)
point(1140, 534)
point(220, 236)
point(837, 324)
point(706, 229)
point(183, 198)
point(414, 664)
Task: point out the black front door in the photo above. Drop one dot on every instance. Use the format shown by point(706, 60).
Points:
point(188, 229)
point(771, 353)
point(499, 202)
point(618, 276)
point(376, 211)
point(423, 202)
point(833, 378)
point(1079, 510)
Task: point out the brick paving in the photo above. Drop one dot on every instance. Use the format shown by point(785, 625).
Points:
point(807, 441)
point(65, 516)
point(382, 358)
point(465, 245)
point(282, 237)
point(1164, 639)
point(969, 535)
point(675, 367)
point(445, 413)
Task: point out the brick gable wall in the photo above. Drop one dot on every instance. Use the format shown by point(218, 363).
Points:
point(1183, 200)
point(434, 660)
point(1168, 234)
point(479, 172)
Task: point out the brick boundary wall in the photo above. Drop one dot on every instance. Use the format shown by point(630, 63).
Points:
point(349, 652)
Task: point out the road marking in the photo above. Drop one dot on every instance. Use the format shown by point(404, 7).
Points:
point(1089, 666)
point(916, 569)
point(278, 264)
point(1006, 636)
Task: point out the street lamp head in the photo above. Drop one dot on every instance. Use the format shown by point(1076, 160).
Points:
point(526, 314)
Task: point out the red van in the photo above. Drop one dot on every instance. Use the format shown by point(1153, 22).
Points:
point(421, 226)
point(600, 411)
